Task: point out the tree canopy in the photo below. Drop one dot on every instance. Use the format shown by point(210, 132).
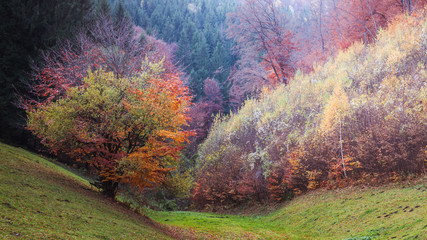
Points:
point(113, 101)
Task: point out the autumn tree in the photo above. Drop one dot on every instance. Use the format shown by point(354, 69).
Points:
point(260, 26)
point(101, 44)
point(349, 21)
point(117, 46)
point(127, 128)
point(114, 101)
point(334, 115)
point(203, 112)
point(246, 79)
point(323, 27)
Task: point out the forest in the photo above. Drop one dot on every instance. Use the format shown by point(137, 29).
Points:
point(216, 105)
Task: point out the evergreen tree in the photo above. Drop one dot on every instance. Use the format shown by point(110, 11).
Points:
point(103, 8)
point(120, 12)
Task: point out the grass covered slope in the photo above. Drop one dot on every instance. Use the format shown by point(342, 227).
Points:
point(40, 200)
point(396, 211)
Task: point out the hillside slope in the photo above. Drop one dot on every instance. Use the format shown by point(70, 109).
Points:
point(40, 200)
point(396, 211)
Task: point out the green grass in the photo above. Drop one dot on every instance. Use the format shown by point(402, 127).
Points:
point(42, 200)
point(397, 211)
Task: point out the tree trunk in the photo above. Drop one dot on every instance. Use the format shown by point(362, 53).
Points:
point(342, 155)
point(108, 188)
point(260, 185)
point(320, 26)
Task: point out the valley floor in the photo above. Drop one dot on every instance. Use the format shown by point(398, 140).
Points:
point(397, 211)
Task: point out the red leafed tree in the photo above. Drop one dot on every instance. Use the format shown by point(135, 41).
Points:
point(278, 182)
point(246, 79)
point(361, 20)
point(203, 112)
point(332, 25)
point(349, 21)
point(260, 26)
point(223, 184)
point(108, 44)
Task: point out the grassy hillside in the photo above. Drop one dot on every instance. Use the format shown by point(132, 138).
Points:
point(41, 200)
point(397, 211)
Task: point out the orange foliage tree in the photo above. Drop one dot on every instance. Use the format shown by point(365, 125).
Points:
point(128, 129)
point(123, 117)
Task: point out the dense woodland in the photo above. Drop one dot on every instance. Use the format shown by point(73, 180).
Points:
point(216, 103)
